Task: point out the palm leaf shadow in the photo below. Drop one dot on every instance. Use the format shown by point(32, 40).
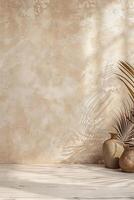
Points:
point(91, 120)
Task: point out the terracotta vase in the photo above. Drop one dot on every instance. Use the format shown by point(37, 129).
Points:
point(112, 151)
point(127, 159)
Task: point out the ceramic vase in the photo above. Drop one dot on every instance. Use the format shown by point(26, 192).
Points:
point(127, 159)
point(112, 151)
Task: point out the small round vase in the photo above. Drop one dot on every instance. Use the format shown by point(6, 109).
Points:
point(127, 159)
point(112, 151)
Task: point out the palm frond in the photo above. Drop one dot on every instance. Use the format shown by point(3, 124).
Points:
point(124, 123)
point(127, 77)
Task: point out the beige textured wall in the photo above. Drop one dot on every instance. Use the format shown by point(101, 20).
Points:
point(57, 88)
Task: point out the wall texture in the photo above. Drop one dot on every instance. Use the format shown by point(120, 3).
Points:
point(58, 93)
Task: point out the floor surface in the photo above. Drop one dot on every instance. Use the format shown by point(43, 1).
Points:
point(60, 182)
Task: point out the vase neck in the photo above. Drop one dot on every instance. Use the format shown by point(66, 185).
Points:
point(113, 136)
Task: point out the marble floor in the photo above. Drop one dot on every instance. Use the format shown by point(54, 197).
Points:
point(60, 182)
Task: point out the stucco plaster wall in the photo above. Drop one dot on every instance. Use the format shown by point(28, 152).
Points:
point(58, 91)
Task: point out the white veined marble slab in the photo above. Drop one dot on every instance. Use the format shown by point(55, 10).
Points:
point(60, 182)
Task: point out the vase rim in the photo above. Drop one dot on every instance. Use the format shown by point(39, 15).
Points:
point(113, 135)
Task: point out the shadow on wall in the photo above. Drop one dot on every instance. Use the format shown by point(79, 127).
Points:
point(101, 107)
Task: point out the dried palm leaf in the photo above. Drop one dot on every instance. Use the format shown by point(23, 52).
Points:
point(127, 77)
point(124, 123)
point(124, 126)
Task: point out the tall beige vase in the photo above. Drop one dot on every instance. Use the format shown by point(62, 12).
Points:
point(127, 159)
point(112, 151)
